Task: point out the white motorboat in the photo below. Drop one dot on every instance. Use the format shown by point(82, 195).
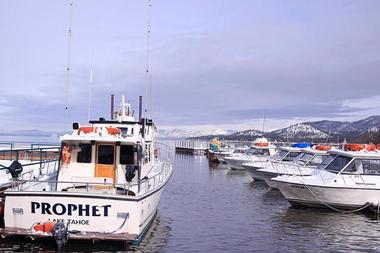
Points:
point(262, 150)
point(348, 180)
point(304, 164)
point(108, 185)
point(284, 154)
point(221, 154)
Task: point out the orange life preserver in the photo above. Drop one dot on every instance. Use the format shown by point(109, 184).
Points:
point(378, 146)
point(66, 155)
point(113, 130)
point(86, 130)
point(262, 144)
point(370, 147)
point(354, 147)
point(48, 226)
point(323, 147)
point(39, 227)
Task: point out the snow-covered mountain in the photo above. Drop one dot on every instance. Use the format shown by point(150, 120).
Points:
point(299, 132)
point(180, 133)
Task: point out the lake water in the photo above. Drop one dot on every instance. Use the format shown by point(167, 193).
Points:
point(209, 208)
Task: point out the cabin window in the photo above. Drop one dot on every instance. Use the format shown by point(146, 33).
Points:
point(106, 154)
point(147, 153)
point(126, 154)
point(338, 163)
point(132, 130)
point(290, 156)
point(281, 154)
point(264, 152)
point(317, 160)
point(303, 158)
point(371, 166)
point(85, 153)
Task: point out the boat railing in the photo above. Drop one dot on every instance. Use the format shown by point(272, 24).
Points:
point(146, 185)
point(42, 156)
point(162, 151)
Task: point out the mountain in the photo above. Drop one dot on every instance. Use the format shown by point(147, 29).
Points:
point(301, 131)
point(317, 131)
point(180, 133)
point(38, 133)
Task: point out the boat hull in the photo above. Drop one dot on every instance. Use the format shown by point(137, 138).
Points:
point(345, 198)
point(87, 213)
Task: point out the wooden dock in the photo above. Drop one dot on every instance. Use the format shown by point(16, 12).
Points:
point(191, 147)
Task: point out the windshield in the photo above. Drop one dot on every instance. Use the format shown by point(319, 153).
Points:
point(303, 158)
point(280, 154)
point(338, 163)
point(326, 161)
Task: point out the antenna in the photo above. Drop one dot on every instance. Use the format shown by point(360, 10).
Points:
point(262, 132)
point(90, 90)
point(148, 76)
point(68, 68)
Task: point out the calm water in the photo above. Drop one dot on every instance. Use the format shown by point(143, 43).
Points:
point(213, 209)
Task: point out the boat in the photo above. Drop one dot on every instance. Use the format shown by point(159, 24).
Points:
point(283, 154)
point(262, 150)
point(304, 164)
point(346, 180)
point(109, 182)
point(228, 152)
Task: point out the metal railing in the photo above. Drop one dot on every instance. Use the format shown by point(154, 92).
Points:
point(146, 185)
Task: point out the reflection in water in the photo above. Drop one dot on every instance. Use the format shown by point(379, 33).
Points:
point(208, 207)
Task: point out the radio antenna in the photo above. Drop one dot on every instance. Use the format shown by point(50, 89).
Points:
point(68, 68)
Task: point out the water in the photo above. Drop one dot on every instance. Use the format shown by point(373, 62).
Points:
point(213, 209)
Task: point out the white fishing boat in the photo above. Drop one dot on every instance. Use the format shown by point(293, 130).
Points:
point(347, 180)
point(108, 185)
point(304, 164)
point(284, 154)
point(221, 154)
point(261, 150)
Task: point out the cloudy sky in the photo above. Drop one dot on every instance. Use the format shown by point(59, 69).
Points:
point(214, 64)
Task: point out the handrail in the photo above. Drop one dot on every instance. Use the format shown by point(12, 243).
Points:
point(156, 180)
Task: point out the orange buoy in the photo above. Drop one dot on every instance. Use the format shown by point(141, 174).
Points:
point(113, 130)
point(378, 146)
point(38, 227)
point(323, 147)
point(262, 144)
point(48, 226)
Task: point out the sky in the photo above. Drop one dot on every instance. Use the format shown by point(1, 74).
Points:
point(213, 64)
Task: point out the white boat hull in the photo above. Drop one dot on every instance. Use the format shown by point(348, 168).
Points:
point(324, 196)
point(82, 212)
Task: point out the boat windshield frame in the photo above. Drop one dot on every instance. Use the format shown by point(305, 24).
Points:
point(303, 158)
point(339, 164)
point(326, 161)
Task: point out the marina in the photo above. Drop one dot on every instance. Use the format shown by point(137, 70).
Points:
point(192, 126)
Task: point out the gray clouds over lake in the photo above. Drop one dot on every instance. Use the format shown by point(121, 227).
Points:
point(212, 62)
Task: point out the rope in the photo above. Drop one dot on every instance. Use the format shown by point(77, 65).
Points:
point(331, 207)
point(68, 67)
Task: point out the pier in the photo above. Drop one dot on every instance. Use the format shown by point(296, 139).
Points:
point(191, 147)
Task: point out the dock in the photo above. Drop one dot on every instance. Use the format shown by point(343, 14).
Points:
point(191, 147)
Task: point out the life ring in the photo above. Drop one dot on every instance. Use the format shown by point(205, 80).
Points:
point(354, 147)
point(113, 130)
point(262, 144)
point(323, 147)
point(378, 146)
point(371, 147)
point(66, 155)
point(86, 130)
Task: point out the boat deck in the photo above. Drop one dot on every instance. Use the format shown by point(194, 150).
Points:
point(72, 235)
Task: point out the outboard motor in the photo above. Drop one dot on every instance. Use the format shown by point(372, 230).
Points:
point(15, 169)
point(60, 234)
point(130, 172)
